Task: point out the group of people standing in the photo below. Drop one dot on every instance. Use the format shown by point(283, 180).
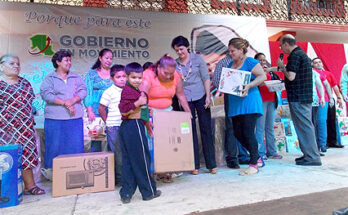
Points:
point(122, 96)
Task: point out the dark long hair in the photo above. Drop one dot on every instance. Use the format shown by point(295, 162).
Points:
point(101, 54)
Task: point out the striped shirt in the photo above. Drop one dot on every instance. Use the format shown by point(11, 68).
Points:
point(224, 62)
point(111, 99)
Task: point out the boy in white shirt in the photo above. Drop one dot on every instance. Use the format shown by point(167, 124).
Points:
point(109, 112)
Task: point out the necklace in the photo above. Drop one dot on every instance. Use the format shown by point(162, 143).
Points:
point(240, 63)
point(185, 77)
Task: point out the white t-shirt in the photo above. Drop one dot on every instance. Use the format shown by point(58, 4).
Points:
point(111, 98)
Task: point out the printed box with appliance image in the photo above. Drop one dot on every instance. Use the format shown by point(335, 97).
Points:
point(83, 173)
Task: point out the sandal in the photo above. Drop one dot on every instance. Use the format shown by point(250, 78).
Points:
point(250, 171)
point(167, 179)
point(34, 191)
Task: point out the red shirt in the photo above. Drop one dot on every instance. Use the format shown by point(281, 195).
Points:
point(266, 95)
point(330, 78)
point(322, 79)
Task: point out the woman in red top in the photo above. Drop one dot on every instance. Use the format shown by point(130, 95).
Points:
point(264, 125)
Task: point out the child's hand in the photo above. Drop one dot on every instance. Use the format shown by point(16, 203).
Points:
point(142, 100)
point(149, 128)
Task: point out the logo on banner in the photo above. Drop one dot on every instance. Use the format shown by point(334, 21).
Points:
point(41, 44)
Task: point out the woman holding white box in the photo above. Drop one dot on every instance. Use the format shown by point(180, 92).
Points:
point(246, 109)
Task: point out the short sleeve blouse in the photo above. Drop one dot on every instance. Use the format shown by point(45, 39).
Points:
point(160, 93)
point(252, 103)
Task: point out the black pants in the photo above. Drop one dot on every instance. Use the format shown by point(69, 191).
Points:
point(204, 119)
point(331, 126)
point(135, 160)
point(315, 123)
point(244, 131)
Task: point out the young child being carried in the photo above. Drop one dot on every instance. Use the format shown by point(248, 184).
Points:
point(135, 150)
point(109, 112)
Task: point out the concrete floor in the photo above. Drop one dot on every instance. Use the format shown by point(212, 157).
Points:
point(204, 192)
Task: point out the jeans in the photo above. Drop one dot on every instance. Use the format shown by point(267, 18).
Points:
point(96, 146)
point(244, 130)
point(322, 127)
point(301, 114)
point(264, 129)
point(234, 151)
point(114, 144)
point(204, 119)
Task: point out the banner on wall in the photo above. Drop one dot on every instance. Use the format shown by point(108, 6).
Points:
point(35, 31)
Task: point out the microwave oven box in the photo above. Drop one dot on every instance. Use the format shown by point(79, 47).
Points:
point(173, 144)
point(83, 173)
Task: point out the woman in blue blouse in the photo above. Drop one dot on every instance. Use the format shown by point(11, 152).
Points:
point(97, 81)
point(196, 84)
point(246, 109)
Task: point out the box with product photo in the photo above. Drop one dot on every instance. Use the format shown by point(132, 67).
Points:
point(232, 81)
point(292, 143)
point(280, 143)
point(279, 130)
point(83, 173)
point(173, 144)
point(11, 181)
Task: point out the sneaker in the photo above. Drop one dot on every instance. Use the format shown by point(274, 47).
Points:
point(177, 174)
point(260, 162)
point(275, 156)
point(323, 149)
point(47, 173)
point(157, 194)
point(264, 157)
point(125, 201)
point(250, 171)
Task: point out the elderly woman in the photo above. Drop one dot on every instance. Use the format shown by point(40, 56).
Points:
point(196, 84)
point(245, 110)
point(97, 81)
point(161, 82)
point(63, 92)
point(16, 118)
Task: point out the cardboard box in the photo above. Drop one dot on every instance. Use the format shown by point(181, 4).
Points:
point(343, 129)
point(279, 130)
point(218, 101)
point(292, 143)
point(83, 173)
point(173, 143)
point(280, 143)
point(11, 182)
